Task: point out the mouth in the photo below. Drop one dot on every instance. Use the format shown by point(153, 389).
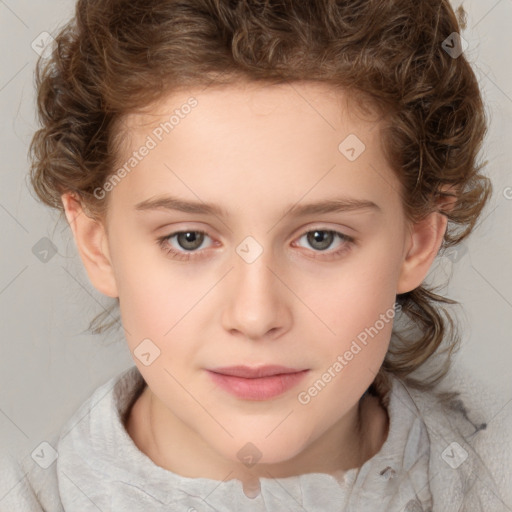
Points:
point(248, 372)
point(260, 383)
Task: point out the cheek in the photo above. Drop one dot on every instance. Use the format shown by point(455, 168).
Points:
point(160, 302)
point(355, 296)
point(348, 356)
point(357, 311)
point(150, 298)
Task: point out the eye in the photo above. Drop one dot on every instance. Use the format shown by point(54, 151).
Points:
point(190, 241)
point(322, 239)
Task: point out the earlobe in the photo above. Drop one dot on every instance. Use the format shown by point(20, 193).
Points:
point(91, 241)
point(425, 239)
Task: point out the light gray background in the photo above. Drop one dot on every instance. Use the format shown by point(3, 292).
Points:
point(47, 368)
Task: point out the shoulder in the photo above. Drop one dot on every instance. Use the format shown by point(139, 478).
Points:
point(39, 481)
point(471, 439)
point(26, 485)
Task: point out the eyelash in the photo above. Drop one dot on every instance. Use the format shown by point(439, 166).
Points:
point(162, 242)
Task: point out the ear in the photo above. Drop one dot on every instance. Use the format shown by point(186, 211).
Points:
point(92, 243)
point(424, 241)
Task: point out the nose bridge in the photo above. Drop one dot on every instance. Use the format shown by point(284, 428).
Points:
point(256, 302)
point(252, 268)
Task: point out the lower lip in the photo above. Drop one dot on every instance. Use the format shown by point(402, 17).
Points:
point(262, 388)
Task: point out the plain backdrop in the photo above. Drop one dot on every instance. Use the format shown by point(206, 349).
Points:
point(48, 366)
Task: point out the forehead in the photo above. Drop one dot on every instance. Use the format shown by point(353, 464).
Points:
point(253, 101)
point(256, 140)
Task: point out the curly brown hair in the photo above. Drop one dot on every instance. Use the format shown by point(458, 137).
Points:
point(116, 57)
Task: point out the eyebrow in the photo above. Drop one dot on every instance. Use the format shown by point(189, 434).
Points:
point(343, 204)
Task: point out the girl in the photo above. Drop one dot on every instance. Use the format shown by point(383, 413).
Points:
point(262, 188)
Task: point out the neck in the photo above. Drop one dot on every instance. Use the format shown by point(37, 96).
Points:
point(364, 438)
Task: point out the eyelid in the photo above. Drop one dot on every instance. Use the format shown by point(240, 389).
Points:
point(297, 234)
point(342, 230)
point(347, 241)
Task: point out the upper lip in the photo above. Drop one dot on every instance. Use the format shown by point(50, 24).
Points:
point(249, 372)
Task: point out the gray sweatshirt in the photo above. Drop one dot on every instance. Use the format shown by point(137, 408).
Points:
point(437, 457)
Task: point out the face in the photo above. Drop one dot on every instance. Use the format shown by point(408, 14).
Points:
point(259, 279)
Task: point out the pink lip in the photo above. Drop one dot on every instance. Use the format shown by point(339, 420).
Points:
point(257, 383)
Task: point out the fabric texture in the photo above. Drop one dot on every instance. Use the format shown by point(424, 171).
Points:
point(439, 456)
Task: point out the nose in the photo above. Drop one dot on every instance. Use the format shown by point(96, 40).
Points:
point(257, 302)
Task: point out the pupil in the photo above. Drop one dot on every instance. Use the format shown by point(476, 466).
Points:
point(188, 239)
point(323, 238)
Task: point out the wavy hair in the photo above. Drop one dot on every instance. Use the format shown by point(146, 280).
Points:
point(116, 57)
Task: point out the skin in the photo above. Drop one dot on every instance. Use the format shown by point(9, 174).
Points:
point(255, 151)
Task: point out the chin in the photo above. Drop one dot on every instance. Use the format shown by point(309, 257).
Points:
point(253, 453)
